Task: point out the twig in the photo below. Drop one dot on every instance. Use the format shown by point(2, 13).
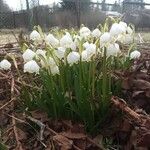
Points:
point(119, 103)
point(40, 124)
point(19, 146)
point(6, 104)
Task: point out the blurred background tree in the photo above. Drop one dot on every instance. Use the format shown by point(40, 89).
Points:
point(4, 7)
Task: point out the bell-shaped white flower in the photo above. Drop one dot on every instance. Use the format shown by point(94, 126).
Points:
point(84, 56)
point(60, 52)
point(117, 29)
point(50, 39)
point(66, 41)
point(73, 46)
point(28, 55)
point(112, 50)
point(51, 62)
point(54, 70)
point(86, 44)
point(35, 36)
point(91, 49)
point(135, 54)
point(5, 64)
point(123, 24)
point(73, 57)
point(126, 38)
point(129, 30)
point(41, 52)
point(96, 33)
point(84, 32)
point(105, 39)
point(31, 67)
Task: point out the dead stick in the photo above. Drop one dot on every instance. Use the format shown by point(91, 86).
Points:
point(123, 106)
point(6, 104)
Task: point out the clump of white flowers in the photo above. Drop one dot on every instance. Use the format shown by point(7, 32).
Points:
point(75, 68)
point(5, 64)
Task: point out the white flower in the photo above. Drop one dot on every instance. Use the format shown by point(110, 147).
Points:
point(60, 52)
point(66, 41)
point(51, 62)
point(86, 44)
point(123, 24)
point(73, 46)
point(50, 39)
point(117, 29)
point(84, 56)
point(54, 70)
point(35, 36)
point(126, 39)
point(41, 52)
point(31, 67)
point(5, 64)
point(105, 38)
point(96, 33)
point(135, 54)
point(91, 49)
point(112, 50)
point(85, 32)
point(73, 57)
point(28, 55)
point(129, 30)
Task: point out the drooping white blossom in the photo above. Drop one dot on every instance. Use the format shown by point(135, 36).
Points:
point(117, 29)
point(31, 67)
point(73, 57)
point(84, 56)
point(41, 52)
point(35, 36)
point(50, 39)
point(54, 70)
point(85, 32)
point(112, 50)
point(135, 54)
point(5, 64)
point(60, 52)
point(96, 33)
point(129, 30)
point(105, 38)
point(91, 49)
point(66, 41)
point(28, 55)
